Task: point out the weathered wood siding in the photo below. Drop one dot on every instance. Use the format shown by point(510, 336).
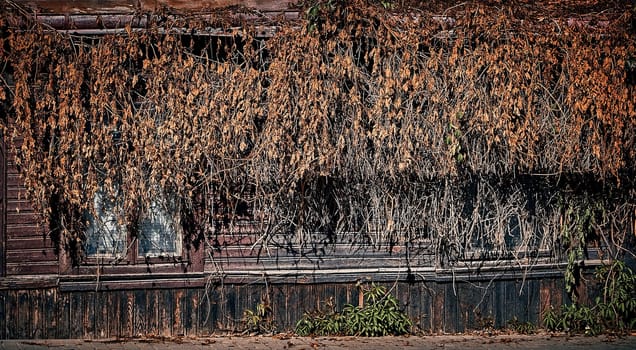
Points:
point(433, 306)
point(28, 249)
point(3, 205)
point(37, 301)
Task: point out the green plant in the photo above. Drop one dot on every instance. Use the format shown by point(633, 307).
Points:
point(551, 319)
point(579, 319)
point(581, 217)
point(613, 310)
point(521, 327)
point(379, 316)
point(617, 303)
point(259, 320)
point(387, 4)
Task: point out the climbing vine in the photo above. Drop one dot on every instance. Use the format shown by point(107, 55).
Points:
point(457, 131)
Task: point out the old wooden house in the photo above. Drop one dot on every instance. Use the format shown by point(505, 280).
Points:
point(462, 249)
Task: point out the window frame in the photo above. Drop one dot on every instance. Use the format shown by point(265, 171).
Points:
point(189, 259)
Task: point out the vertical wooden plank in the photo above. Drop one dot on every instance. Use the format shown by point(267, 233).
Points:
point(76, 315)
point(152, 312)
point(177, 324)
point(563, 297)
point(355, 295)
point(533, 301)
point(325, 296)
point(521, 300)
point(466, 303)
point(24, 315)
point(411, 308)
point(128, 313)
point(547, 296)
point(243, 301)
point(480, 304)
point(192, 312)
point(166, 313)
point(404, 296)
point(490, 304)
point(240, 304)
point(3, 314)
point(509, 310)
point(220, 319)
point(102, 309)
point(419, 307)
point(248, 298)
point(11, 309)
point(279, 307)
point(341, 295)
point(50, 313)
point(500, 303)
point(284, 291)
point(140, 313)
point(208, 309)
point(513, 308)
point(113, 300)
point(426, 305)
point(451, 310)
point(63, 312)
point(88, 319)
point(302, 295)
point(437, 310)
point(37, 314)
point(231, 306)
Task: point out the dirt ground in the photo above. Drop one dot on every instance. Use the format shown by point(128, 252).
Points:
point(463, 342)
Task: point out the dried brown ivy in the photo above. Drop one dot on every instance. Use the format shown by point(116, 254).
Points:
point(372, 121)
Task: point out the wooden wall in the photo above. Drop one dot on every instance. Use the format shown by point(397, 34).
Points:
point(36, 301)
point(217, 308)
point(28, 249)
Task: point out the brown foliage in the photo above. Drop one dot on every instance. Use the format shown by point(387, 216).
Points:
point(362, 120)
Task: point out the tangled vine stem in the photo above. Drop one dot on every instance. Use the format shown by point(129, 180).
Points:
point(396, 128)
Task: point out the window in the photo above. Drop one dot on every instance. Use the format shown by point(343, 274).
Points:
point(106, 234)
point(159, 232)
point(160, 229)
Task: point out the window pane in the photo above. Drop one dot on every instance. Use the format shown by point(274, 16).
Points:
point(106, 233)
point(159, 230)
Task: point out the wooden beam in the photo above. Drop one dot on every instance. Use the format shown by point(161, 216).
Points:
point(63, 7)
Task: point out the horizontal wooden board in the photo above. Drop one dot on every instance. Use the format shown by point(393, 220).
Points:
point(262, 5)
point(158, 283)
point(32, 268)
point(16, 193)
point(319, 251)
point(28, 256)
point(19, 205)
point(13, 178)
point(125, 269)
point(256, 264)
point(29, 282)
point(60, 6)
point(29, 243)
point(24, 231)
point(22, 218)
point(130, 6)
